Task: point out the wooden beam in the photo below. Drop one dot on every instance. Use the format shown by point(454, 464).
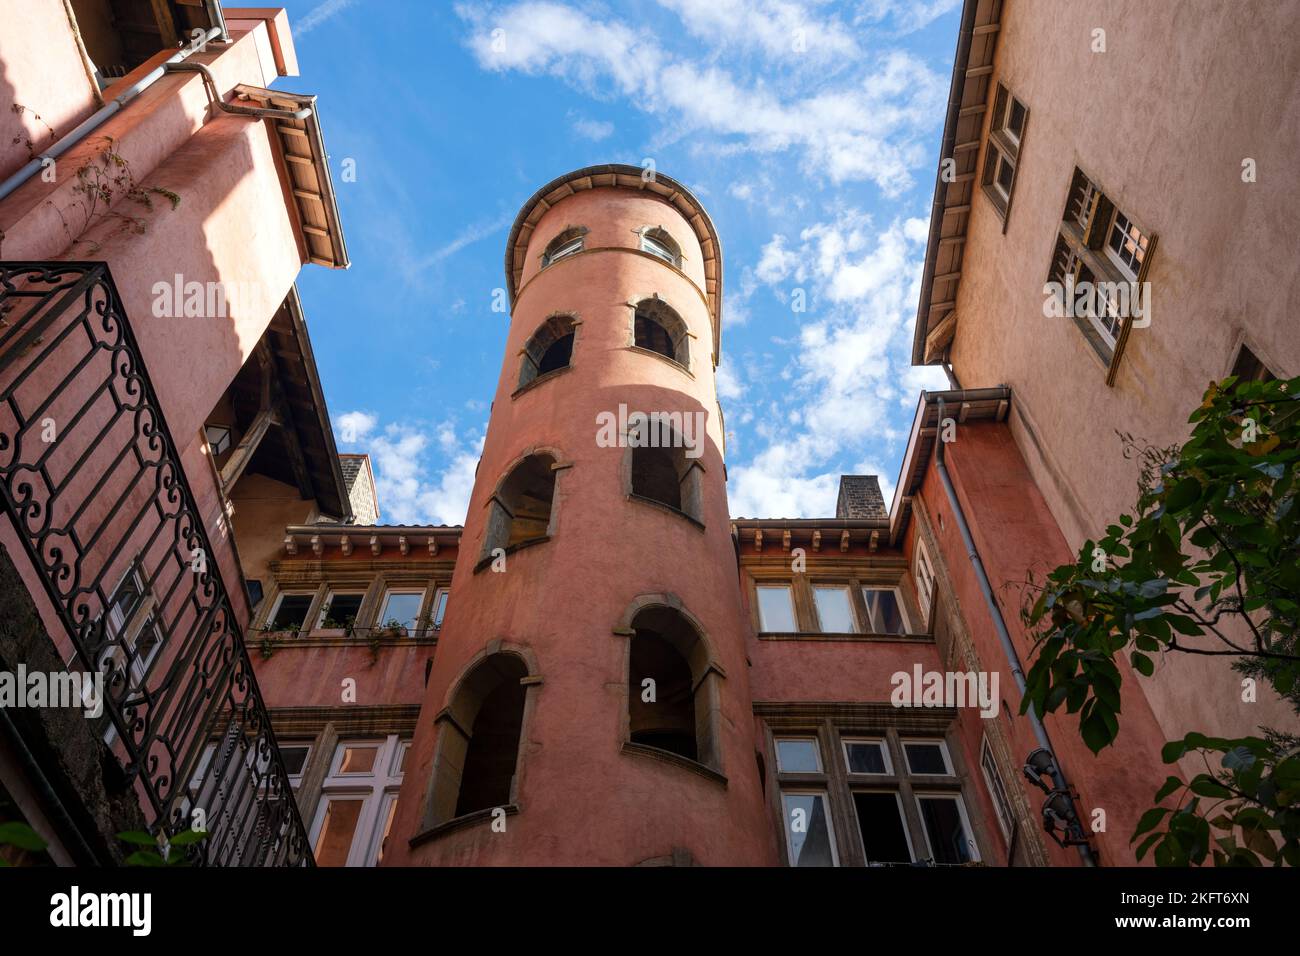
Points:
point(375, 546)
point(844, 540)
point(244, 451)
point(817, 540)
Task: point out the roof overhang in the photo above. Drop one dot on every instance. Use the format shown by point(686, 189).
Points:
point(962, 405)
point(300, 381)
point(305, 167)
point(968, 100)
point(406, 541)
point(619, 175)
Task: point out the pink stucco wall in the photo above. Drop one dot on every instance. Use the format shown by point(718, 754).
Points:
point(1162, 121)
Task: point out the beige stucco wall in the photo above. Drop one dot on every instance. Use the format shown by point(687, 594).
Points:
point(1162, 122)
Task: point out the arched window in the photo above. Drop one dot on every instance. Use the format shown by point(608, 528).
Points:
point(666, 474)
point(550, 348)
point(565, 244)
point(478, 740)
point(521, 508)
point(657, 327)
point(656, 241)
point(673, 693)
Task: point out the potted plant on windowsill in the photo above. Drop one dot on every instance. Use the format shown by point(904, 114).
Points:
point(270, 637)
point(332, 627)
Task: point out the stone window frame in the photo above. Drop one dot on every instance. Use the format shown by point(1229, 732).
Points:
point(707, 674)
point(690, 483)
point(455, 724)
point(498, 513)
point(683, 339)
point(831, 725)
point(658, 233)
point(566, 235)
point(893, 574)
point(526, 354)
point(373, 581)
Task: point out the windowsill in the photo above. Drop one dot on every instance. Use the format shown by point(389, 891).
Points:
point(487, 561)
point(677, 760)
point(663, 358)
point(633, 496)
point(539, 380)
point(460, 823)
point(847, 637)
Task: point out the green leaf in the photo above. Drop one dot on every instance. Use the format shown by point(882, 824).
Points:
point(138, 837)
point(1144, 666)
point(1149, 820)
point(21, 836)
point(1171, 784)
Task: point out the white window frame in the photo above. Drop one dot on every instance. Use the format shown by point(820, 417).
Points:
point(326, 604)
point(848, 599)
point(1114, 257)
point(571, 247)
point(817, 751)
point(997, 789)
point(924, 582)
point(920, 795)
point(375, 787)
point(902, 819)
point(881, 745)
point(898, 599)
point(382, 619)
point(785, 823)
point(279, 599)
point(438, 610)
point(789, 596)
point(905, 742)
point(656, 247)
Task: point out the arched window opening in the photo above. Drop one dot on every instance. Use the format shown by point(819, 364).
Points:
point(673, 693)
point(478, 741)
point(565, 244)
point(493, 748)
point(549, 349)
point(521, 508)
point(665, 473)
point(658, 242)
point(662, 708)
point(659, 328)
point(655, 475)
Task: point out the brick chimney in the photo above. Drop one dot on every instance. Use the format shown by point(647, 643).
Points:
point(860, 497)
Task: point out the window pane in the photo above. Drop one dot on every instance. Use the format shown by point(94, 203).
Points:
point(358, 759)
point(880, 822)
point(925, 758)
point(1017, 121)
point(441, 609)
point(886, 616)
point(808, 829)
point(775, 610)
point(797, 755)
point(865, 756)
point(337, 831)
point(833, 610)
point(388, 813)
point(1005, 172)
point(291, 612)
point(999, 793)
point(341, 610)
point(948, 839)
point(295, 758)
point(402, 608)
point(655, 247)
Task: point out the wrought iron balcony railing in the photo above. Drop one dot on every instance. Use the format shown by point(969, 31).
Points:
point(92, 482)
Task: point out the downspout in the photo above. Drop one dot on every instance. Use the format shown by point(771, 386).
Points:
point(100, 116)
point(214, 98)
point(1000, 625)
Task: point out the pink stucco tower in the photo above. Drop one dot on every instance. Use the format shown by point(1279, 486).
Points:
point(589, 699)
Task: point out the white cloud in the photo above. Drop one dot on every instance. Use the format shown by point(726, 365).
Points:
point(355, 426)
point(412, 489)
point(729, 386)
point(862, 127)
point(778, 28)
point(318, 15)
point(594, 130)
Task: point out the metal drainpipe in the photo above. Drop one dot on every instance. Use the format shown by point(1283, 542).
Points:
point(97, 119)
point(1000, 625)
point(214, 98)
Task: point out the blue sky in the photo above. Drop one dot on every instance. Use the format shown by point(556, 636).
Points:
point(810, 130)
